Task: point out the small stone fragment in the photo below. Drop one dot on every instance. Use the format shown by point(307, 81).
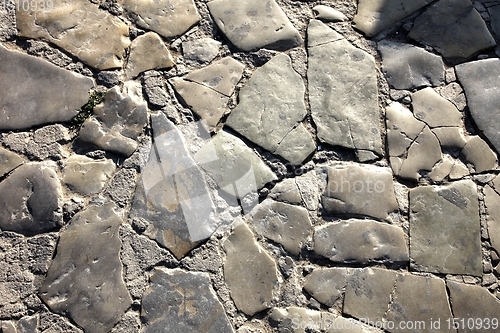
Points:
point(328, 14)
point(442, 169)
point(298, 320)
point(148, 52)
point(286, 191)
point(434, 110)
point(458, 171)
point(9, 161)
point(309, 190)
point(479, 153)
point(402, 129)
point(450, 137)
point(326, 284)
point(86, 175)
point(200, 51)
point(492, 202)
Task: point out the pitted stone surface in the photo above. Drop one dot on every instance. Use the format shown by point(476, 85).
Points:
point(148, 52)
point(86, 175)
point(85, 278)
point(327, 284)
point(9, 161)
point(492, 203)
point(79, 27)
point(479, 153)
point(434, 110)
point(200, 51)
point(342, 91)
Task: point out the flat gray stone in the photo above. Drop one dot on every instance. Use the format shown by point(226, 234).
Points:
point(118, 121)
point(361, 242)
point(250, 273)
point(271, 109)
point(25, 83)
point(35, 206)
point(434, 110)
point(180, 302)
point(169, 18)
point(309, 189)
point(438, 243)
point(402, 129)
point(454, 28)
point(343, 91)
point(481, 82)
point(286, 191)
point(85, 278)
point(408, 67)
point(148, 52)
point(9, 161)
point(442, 169)
point(251, 25)
point(357, 189)
point(450, 137)
point(492, 202)
point(479, 153)
point(327, 284)
point(494, 12)
point(200, 51)
point(79, 27)
point(373, 16)
point(328, 14)
point(86, 175)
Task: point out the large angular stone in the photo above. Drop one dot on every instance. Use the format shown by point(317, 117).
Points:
point(177, 301)
point(434, 110)
point(86, 175)
point(30, 200)
point(79, 27)
point(481, 82)
point(492, 202)
point(35, 92)
point(441, 244)
point(343, 91)
point(479, 153)
point(172, 194)
point(361, 242)
point(327, 284)
point(9, 161)
point(250, 273)
point(454, 28)
point(251, 25)
point(118, 120)
point(271, 109)
point(148, 52)
point(85, 278)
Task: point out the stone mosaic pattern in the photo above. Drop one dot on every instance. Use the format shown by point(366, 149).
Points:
point(249, 166)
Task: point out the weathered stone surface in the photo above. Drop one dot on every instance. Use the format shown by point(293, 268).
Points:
point(492, 202)
point(79, 27)
point(250, 273)
point(454, 28)
point(286, 191)
point(86, 175)
point(327, 284)
point(408, 67)
point(172, 194)
point(309, 189)
point(148, 52)
point(361, 242)
point(28, 87)
point(450, 137)
point(357, 189)
point(402, 129)
point(434, 110)
point(168, 18)
point(35, 206)
point(343, 91)
point(481, 82)
point(85, 278)
point(373, 16)
point(200, 51)
point(117, 121)
point(271, 108)
point(479, 153)
point(283, 223)
point(298, 320)
point(9, 161)
point(180, 301)
point(251, 25)
point(328, 14)
point(442, 169)
point(439, 243)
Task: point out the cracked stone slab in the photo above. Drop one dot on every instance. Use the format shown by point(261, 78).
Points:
point(299, 190)
point(361, 242)
point(492, 203)
point(434, 110)
point(9, 161)
point(85, 278)
point(326, 285)
point(148, 52)
point(169, 18)
point(357, 189)
point(271, 109)
point(180, 301)
point(408, 67)
point(25, 84)
point(118, 121)
point(86, 175)
point(439, 244)
point(36, 204)
point(343, 91)
point(80, 27)
point(250, 273)
point(200, 51)
point(479, 153)
point(328, 14)
point(252, 25)
point(454, 28)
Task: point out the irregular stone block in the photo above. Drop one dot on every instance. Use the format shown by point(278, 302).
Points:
point(309, 189)
point(35, 92)
point(86, 175)
point(441, 244)
point(180, 301)
point(479, 153)
point(492, 202)
point(328, 14)
point(85, 278)
point(434, 110)
point(148, 52)
point(200, 51)
point(450, 137)
point(9, 161)
point(92, 35)
point(442, 169)
point(327, 284)
point(402, 128)
point(494, 12)
point(286, 191)
point(343, 91)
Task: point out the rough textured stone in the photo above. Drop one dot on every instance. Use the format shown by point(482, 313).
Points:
point(408, 67)
point(166, 17)
point(251, 25)
point(9, 161)
point(297, 320)
point(454, 28)
point(434, 110)
point(35, 204)
point(182, 301)
point(286, 191)
point(28, 90)
point(477, 151)
point(86, 175)
point(117, 121)
point(271, 108)
point(492, 202)
point(343, 91)
point(148, 52)
point(360, 190)
point(200, 51)
point(361, 242)
point(327, 284)
point(326, 13)
point(309, 189)
point(481, 82)
point(250, 273)
point(438, 243)
point(85, 278)
point(79, 27)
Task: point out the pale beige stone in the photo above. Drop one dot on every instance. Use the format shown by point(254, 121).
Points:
point(148, 52)
point(86, 175)
point(434, 110)
point(9, 161)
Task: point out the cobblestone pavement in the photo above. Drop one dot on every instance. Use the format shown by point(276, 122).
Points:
point(249, 166)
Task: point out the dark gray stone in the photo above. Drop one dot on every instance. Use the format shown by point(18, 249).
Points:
point(492, 203)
